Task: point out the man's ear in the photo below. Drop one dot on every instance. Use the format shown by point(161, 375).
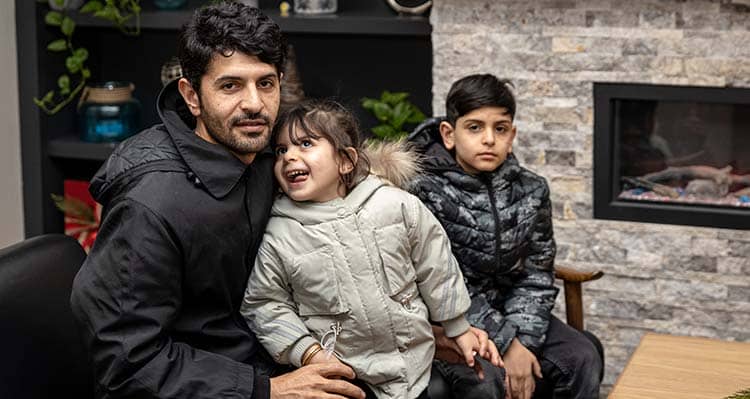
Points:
point(191, 97)
point(447, 132)
point(347, 163)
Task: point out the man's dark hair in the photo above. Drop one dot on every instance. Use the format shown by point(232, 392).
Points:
point(477, 91)
point(224, 28)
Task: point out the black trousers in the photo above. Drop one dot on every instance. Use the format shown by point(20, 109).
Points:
point(571, 365)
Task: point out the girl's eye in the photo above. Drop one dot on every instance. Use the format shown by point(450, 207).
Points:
point(280, 150)
point(306, 143)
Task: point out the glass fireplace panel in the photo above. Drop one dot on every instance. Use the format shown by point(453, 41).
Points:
point(684, 151)
point(672, 154)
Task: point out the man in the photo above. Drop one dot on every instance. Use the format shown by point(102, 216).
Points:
point(185, 205)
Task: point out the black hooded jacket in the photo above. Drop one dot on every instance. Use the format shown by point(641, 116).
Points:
point(158, 296)
point(500, 227)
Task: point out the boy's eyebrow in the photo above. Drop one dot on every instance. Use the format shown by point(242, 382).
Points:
point(506, 121)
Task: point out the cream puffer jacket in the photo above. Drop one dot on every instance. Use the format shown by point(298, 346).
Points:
point(377, 265)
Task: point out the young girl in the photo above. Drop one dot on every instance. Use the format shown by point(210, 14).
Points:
point(351, 268)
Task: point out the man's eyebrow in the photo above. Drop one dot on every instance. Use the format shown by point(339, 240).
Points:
point(225, 78)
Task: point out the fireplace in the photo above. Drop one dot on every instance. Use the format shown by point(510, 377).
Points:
point(672, 154)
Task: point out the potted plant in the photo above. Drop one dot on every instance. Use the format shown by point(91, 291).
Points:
point(71, 82)
point(393, 111)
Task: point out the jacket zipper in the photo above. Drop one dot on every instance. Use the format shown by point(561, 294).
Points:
point(488, 182)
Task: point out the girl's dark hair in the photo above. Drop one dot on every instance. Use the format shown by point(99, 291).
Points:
point(477, 91)
point(224, 28)
point(329, 120)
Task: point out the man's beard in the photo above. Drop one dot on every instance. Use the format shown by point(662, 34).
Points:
point(237, 143)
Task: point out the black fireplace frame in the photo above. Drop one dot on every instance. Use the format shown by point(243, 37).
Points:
point(607, 166)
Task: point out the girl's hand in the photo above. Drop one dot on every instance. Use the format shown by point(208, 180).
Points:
point(322, 357)
point(468, 344)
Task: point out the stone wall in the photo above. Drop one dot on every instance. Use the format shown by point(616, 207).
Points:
point(668, 279)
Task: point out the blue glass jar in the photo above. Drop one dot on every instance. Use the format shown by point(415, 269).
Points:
point(169, 4)
point(108, 112)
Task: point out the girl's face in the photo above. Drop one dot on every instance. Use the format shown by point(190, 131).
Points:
point(310, 170)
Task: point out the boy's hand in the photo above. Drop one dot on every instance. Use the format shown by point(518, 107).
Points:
point(521, 366)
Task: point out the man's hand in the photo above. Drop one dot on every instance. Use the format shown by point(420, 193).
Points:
point(316, 381)
point(520, 364)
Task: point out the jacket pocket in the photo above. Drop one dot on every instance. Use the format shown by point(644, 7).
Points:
point(315, 285)
point(395, 257)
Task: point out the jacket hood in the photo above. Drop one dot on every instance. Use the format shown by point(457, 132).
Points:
point(318, 212)
point(428, 142)
point(398, 162)
point(170, 146)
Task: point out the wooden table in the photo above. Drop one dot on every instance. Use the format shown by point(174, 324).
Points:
point(666, 366)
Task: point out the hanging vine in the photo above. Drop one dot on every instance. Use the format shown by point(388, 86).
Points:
point(71, 82)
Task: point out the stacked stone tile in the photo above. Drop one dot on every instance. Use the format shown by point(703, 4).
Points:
point(669, 279)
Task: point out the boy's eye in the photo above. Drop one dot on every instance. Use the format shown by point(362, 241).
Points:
point(228, 86)
point(474, 128)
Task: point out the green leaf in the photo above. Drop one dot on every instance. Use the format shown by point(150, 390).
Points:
point(91, 6)
point(384, 131)
point(53, 18)
point(74, 207)
point(68, 26)
point(401, 113)
point(82, 54)
point(369, 103)
point(86, 73)
point(48, 97)
point(73, 64)
point(382, 111)
point(63, 82)
point(58, 45)
point(395, 98)
point(59, 3)
point(415, 116)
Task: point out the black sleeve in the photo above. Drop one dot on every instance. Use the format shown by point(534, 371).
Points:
point(127, 297)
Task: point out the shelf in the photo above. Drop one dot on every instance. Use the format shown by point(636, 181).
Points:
point(344, 22)
point(74, 148)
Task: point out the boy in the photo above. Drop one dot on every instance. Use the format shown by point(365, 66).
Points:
point(498, 217)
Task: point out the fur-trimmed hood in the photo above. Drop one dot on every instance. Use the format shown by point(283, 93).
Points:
point(398, 162)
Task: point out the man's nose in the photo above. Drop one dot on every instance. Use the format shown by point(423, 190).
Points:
point(251, 101)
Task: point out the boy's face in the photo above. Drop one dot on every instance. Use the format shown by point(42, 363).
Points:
point(483, 138)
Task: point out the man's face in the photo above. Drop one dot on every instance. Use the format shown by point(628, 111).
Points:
point(483, 138)
point(237, 104)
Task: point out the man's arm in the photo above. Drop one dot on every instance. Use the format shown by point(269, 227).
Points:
point(127, 297)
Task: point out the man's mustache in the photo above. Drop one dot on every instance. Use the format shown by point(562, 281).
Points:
point(251, 118)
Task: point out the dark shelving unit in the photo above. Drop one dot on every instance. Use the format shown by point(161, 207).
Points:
point(361, 50)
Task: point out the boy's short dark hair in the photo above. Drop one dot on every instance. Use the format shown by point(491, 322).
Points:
point(225, 28)
point(477, 91)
